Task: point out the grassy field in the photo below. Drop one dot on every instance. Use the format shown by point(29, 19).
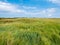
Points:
point(29, 31)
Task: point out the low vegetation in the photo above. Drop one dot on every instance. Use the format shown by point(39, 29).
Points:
point(29, 31)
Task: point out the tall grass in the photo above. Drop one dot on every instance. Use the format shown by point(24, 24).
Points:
point(29, 31)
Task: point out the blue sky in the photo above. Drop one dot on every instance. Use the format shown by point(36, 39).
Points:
point(30, 8)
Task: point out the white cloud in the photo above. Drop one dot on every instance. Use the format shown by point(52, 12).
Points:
point(49, 11)
point(46, 12)
point(9, 7)
point(55, 1)
point(12, 9)
point(26, 7)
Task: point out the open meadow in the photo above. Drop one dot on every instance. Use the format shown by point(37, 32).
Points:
point(29, 31)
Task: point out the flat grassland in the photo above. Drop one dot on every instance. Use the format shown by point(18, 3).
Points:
point(29, 31)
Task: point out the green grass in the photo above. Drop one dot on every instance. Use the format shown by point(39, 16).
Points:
point(29, 31)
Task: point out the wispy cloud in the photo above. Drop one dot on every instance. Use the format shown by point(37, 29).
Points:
point(52, 1)
point(48, 12)
point(29, 7)
point(7, 8)
point(55, 1)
